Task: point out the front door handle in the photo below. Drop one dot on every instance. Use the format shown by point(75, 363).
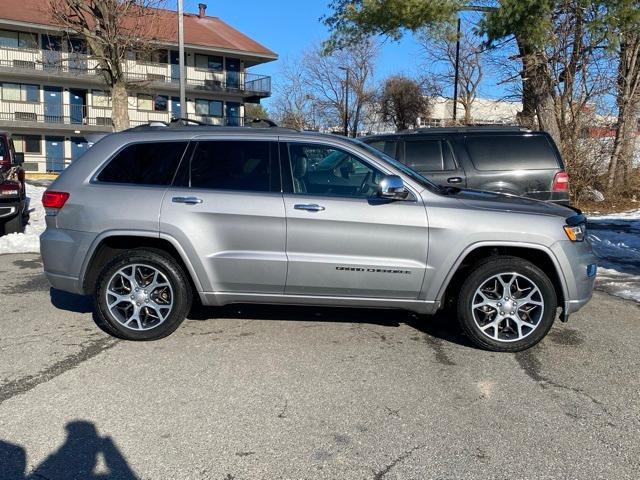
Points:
point(454, 179)
point(187, 200)
point(309, 207)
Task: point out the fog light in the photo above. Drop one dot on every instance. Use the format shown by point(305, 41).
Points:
point(592, 270)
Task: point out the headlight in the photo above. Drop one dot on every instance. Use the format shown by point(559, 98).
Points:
point(576, 233)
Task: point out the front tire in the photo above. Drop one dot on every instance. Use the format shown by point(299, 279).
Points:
point(506, 304)
point(143, 294)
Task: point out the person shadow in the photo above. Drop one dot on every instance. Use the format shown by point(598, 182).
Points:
point(85, 455)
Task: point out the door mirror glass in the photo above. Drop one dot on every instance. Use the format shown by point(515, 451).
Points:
point(18, 158)
point(392, 187)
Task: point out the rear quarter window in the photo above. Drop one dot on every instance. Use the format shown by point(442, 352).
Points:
point(511, 152)
point(144, 164)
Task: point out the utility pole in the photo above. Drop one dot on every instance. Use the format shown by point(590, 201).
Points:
point(456, 75)
point(183, 95)
point(346, 101)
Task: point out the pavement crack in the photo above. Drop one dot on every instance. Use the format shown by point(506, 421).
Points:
point(442, 357)
point(282, 414)
point(533, 368)
point(88, 351)
point(380, 474)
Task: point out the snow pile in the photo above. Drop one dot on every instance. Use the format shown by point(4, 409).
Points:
point(29, 241)
point(616, 243)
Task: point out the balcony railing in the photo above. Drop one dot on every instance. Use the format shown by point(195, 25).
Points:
point(76, 65)
point(78, 116)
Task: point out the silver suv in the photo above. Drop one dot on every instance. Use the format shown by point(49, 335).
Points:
point(148, 218)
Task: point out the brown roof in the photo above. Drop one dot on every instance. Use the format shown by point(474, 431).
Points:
point(208, 32)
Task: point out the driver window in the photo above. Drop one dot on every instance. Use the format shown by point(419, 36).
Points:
point(324, 170)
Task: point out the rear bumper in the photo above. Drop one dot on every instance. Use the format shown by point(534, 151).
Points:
point(561, 198)
point(63, 253)
point(9, 209)
point(578, 264)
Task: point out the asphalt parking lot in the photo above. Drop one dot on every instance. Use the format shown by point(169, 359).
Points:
point(265, 392)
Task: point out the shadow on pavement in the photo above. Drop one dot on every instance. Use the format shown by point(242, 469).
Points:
point(70, 302)
point(442, 325)
point(77, 458)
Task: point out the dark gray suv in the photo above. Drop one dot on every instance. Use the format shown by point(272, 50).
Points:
point(498, 159)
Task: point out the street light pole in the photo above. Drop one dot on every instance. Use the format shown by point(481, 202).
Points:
point(456, 75)
point(346, 102)
point(183, 94)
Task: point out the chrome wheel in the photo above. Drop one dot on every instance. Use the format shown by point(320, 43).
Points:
point(507, 307)
point(139, 297)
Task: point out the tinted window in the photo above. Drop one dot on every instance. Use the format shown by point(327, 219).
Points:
point(511, 152)
point(388, 147)
point(428, 155)
point(144, 164)
point(324, 170)
point(245, 166)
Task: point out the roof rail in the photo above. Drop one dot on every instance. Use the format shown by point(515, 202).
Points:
point(473, 128)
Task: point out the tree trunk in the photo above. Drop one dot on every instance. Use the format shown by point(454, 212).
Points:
point(120, 106)
point(537, 92)
point(628, 103)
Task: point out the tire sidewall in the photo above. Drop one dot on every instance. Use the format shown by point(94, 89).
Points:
point(481, 274)
point(175, 276)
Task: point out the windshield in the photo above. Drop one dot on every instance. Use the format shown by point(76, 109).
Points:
point(400, 166)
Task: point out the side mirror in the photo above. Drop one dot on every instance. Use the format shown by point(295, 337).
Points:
point(18, 158)
point(392, 187)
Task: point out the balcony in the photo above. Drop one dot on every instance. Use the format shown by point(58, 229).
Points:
point(86, 118)
point(74, 66)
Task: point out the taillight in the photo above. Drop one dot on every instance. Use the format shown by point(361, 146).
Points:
point(560, 182)
point(54, 201)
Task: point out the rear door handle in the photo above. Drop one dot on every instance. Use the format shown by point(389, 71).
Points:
point(309, 207)
point(454, 180)
point(187, 200)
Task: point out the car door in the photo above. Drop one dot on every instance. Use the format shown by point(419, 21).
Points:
point(342, 240)
point(225, 209)
point(434, 158)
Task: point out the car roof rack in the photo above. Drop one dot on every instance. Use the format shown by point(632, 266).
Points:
point(190, 123)
point(469, 129)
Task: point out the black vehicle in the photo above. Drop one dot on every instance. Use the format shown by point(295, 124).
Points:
point(14, 206)
point(507, 160)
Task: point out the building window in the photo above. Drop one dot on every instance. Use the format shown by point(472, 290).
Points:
point(154, 56)
point(20, 92)
point(157, 103)
point(101, 99)
point(209, 62)
point(9, 38)
point(29, 144)
point(209, 108)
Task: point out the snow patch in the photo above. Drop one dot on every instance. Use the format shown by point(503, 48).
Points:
point(29, 241)
point(616, 242)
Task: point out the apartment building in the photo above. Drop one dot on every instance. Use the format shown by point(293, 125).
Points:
point(52, 96)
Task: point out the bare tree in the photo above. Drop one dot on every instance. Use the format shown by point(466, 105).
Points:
point(439, 47)
point(627, 95)
point(293, 103)
point(403, 102)
point(325, 80)
point(112, 29)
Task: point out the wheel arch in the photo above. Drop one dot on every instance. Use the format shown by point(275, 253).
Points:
point(539, 255)
point(110, 244)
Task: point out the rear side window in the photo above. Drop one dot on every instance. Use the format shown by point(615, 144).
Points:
point(511, 152)
point(233, 165)
point(428, 155)
point(144, 164)
point(388, 147)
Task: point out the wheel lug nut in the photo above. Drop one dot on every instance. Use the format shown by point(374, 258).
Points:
point(501, 313)
point(499, 304)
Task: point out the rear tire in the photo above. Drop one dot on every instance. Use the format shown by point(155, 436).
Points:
point(143, 294)
point(15, 225)
point(506, 304)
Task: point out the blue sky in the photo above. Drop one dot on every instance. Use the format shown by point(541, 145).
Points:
point(289, 26)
